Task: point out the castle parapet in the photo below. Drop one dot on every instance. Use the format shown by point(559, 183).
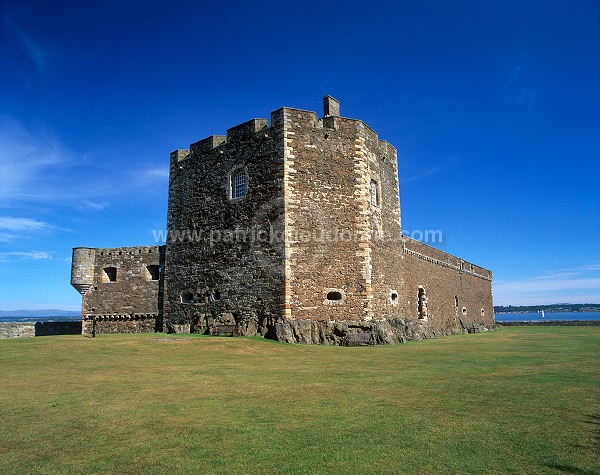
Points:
point(245, 130)
point(207, 144)
point(179, 154)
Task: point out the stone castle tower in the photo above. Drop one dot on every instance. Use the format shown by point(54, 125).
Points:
point(289, 229)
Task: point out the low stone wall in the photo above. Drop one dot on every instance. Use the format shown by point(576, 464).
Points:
point(16, 329)
point(29, 329)
point(57, 328)
point(550, 323)
point(135, 323)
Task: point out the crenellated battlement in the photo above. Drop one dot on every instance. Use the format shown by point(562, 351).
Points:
point(432, 255)
point(119, 251)
point(246, 130)
point(285, 118)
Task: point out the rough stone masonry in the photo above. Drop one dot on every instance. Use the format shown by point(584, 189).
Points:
point(289, 229)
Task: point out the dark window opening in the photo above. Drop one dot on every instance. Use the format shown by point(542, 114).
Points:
point(464, 310)
point(482, 312)
point(187, 297)
point(456, 301)
point(394, 297)
point(110, 274)
point(334, 295)
point(153, 272)
point(215, 295)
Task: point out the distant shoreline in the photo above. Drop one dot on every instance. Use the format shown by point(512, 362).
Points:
point(53, 318)
point(593, 310)
point(553, 308)
point(551, 323)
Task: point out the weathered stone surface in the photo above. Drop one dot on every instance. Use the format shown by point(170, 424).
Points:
point(17, 329)
point(122, 288)
point(29, 329)
point(290, 230)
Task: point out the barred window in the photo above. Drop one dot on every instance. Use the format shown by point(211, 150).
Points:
point(239, 185)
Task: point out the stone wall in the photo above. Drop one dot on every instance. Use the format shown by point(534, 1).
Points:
point(311, 250)
point(224, 258)
point(29, 329)
point(327, 219)
point(57, 328)
point(16, 329)
point(124, 291)
point(128, 323)
point(456, 293)
point(343, 236)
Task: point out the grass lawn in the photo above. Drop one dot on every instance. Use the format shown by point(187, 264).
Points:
point(518, 400)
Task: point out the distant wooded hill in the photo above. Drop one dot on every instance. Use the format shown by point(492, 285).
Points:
point(559, 307)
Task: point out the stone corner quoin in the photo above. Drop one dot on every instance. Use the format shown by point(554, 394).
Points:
point(289, 229)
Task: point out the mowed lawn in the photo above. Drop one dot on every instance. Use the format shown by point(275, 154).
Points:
point(517, 400)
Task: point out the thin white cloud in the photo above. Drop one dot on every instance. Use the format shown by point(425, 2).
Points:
point(21, 224)
point(12, 228)
point(36, 167)
point(30, 164)
point(577, 285)
point(157, 173)
point(92, 205)
point(33, 49)
point(521, 92)
point(430, 171)
point(569, 272)
point(34, 255)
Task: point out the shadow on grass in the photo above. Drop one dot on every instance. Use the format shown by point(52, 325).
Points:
point(594, 420)
point(571, 469)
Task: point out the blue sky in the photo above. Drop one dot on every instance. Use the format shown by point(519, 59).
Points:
point(494, 107)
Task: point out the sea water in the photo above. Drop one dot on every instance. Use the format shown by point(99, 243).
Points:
point(548, 316)
point(58, 318)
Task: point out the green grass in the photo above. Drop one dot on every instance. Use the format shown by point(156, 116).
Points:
point(518, 400)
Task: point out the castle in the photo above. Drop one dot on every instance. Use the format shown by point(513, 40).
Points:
point(290, 230)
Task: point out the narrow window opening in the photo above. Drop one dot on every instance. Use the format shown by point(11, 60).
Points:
point(482, 312)
point(394, 297)
point(334, 295)
point(239, 185)
point(152, 272)
point(464, 310)
point(110, 274)
point(215, 295)
point(374, 193)
point(456, 301)
point(422, 303)
point(187, 297)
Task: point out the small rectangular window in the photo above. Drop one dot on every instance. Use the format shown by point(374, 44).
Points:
point(110, 274)
point(374, 193)
point(153, 272)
